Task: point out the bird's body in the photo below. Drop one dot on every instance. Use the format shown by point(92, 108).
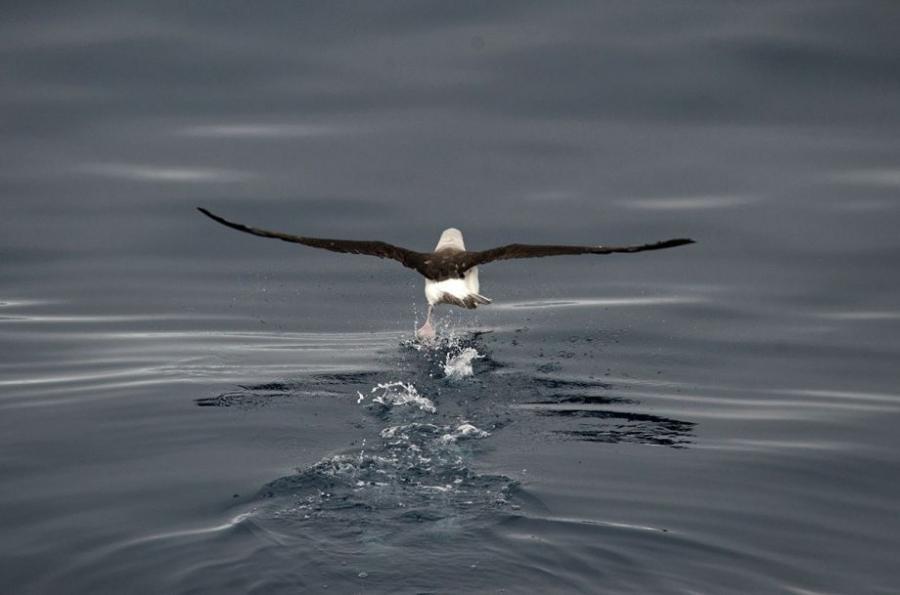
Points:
point(450, 271)
point(450, 291)
point(457, 290)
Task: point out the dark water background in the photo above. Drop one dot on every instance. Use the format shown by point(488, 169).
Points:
point(184, 409)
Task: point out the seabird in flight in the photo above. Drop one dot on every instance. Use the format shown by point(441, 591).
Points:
point(451, 271)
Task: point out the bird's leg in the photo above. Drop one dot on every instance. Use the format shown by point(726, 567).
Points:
point(426, 331)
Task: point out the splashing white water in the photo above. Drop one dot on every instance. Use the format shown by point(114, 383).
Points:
point(465, 430)
point(399, 393)
point(460, 365)
point(444, 434)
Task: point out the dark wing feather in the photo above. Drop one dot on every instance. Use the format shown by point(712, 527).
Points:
point(408, 258)
point(510, 251)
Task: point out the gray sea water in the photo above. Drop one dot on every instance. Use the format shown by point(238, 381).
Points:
point(186, 409)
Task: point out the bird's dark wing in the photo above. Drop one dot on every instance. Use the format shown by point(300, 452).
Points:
point(408, 258)
point(510, 251)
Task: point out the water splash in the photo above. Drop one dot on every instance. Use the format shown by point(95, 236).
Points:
point(459, 365)
point(414, 470)
point(398, 393)
point(463, 431)
point(416, 466)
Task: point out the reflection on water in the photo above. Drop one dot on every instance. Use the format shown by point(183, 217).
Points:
point(436, 460)
point(417, 462)
point(184, 410)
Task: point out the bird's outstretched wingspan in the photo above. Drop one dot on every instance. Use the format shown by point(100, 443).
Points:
point(408, 258)
point(510, 251)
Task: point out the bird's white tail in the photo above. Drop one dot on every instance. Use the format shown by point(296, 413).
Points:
point(471, 301)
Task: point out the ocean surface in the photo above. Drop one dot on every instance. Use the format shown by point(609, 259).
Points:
point(185, 409)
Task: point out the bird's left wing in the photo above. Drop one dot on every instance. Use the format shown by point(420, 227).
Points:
point(408, 258)
point(510, 251)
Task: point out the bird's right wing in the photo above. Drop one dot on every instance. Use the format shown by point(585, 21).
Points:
point(408, 258)
point(510, 251)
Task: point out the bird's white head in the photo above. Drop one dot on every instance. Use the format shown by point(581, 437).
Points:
point(451, 238)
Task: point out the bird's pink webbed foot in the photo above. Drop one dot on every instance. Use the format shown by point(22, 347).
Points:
point(426, 331)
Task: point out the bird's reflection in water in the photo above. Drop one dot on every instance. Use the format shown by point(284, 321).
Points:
point(593, 412)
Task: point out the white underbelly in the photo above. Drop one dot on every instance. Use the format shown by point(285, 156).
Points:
point(458, 288)
point(434, 290)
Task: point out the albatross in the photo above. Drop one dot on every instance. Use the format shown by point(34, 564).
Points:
point(450, 271)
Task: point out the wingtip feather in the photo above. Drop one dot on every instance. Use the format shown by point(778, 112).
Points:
point(212, 216)
point(679, 242)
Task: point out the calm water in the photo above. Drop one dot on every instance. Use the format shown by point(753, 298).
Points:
point(185, 409)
